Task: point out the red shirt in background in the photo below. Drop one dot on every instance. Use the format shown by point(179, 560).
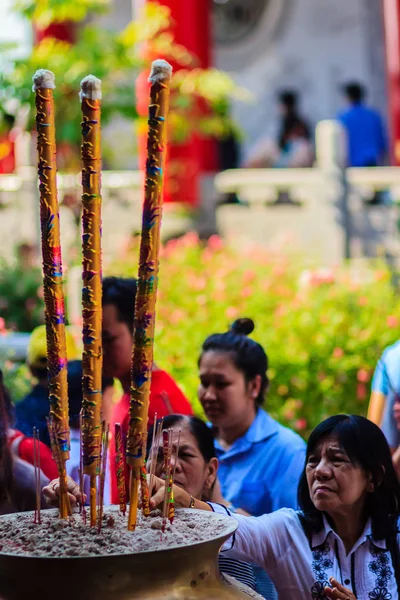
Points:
point(22, 446)
point(165, 399)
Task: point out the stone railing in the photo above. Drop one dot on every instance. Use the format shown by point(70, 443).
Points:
point(121, 213)
point(323, 211)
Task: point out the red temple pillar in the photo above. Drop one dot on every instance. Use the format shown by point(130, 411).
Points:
point(391, 14)
point(187, 162)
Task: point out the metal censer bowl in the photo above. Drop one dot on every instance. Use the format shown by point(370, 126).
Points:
point(178, 573)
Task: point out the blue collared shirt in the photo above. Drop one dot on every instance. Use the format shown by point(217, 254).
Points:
point(367, 140)
point(261, 470)
point(387, 381)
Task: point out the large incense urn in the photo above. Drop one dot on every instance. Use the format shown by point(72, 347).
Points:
point(184, 572)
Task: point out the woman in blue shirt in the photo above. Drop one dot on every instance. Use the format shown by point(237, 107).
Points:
point(260, 461)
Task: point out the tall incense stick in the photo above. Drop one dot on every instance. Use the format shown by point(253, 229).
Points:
point(90, 96)
point(43, 85)
point(142, 358)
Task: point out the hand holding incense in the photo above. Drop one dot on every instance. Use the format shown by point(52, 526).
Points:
point(43, 85)
point(90, 96)
point(142, 359)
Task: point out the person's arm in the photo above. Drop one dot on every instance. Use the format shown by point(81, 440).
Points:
point(260, 540)
point(379, 392)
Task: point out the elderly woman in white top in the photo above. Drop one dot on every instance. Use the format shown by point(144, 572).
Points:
point(343, 543)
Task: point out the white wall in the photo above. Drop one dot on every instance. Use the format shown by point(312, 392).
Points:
point(314, 47)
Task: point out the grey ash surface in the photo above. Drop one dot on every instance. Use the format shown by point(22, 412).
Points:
point(72, 538)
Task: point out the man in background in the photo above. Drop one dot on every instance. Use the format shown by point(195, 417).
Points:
point(366, 133)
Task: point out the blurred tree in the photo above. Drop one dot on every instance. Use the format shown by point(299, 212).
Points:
point(116, 58)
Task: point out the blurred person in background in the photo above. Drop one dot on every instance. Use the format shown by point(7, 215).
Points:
point(17, 477)
point(366, 132)
point(260, 461)
point(75, 397)
point(292, 146)
point(22, 446)
point(196, 468)
point(32, 410)
point(385, 391)
point(165, 396)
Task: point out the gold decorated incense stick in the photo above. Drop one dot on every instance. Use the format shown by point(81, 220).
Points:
point(90, 96)
point(143, 342)
point(121, 467)
point(43, 85)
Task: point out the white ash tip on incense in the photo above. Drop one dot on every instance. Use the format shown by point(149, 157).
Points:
point(90, 88)
point(160, 71)
point(43, 79)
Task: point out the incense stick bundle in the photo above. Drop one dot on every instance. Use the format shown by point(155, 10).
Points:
point(142, 358)
point(43, 85)
point(90, 96)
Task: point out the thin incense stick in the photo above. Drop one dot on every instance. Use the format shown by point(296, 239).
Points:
point(144, 324)
point(43, 85)
point(82, 508)
point(121, 467)
point(171, 500)
point(154, 454)
point(105, 441)
point(36, 464)
point(90, 96)
point(167, 446)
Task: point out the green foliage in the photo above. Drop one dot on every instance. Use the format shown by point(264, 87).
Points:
point(44, 12)
point(323, 331)
point(21, 302)
point(17, 379)
point(116, 58)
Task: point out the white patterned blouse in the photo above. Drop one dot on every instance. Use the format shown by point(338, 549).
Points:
point(300, 568)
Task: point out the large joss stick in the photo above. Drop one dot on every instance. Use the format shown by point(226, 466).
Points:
point(90, 96)
point(43, 85)
point(143, 337)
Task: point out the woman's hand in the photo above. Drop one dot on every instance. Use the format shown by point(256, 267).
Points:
point(181, 498)
point(338, 591)
point(52, 492)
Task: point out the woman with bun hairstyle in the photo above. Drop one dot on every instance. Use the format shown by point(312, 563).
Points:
point(260, 461)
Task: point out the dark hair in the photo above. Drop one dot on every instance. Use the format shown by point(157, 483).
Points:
point(366, 446)
point(288, 98)
point(75, 393)
point(354, 91)
point(74, 376)
point(121, 292)
point(202, 434)
point(248, 356)
point(6, 468)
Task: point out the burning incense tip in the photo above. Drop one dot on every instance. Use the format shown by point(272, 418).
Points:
point(160, 70)
point(90, 88)
point(43, 79)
